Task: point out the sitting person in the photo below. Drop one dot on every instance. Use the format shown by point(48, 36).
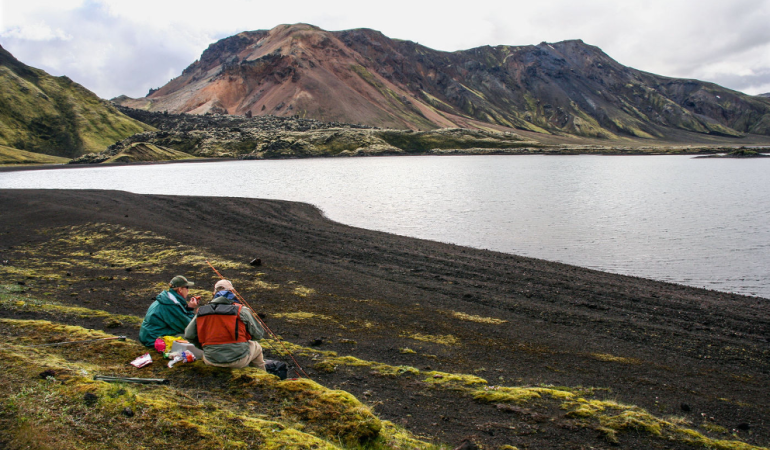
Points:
point(170, 313)
point(227, 331)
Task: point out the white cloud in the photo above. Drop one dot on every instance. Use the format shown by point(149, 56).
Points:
point(36, 32)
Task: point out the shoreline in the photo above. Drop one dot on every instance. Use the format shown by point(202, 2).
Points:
point(704, 282)
point(653, 344)
point(696, 152)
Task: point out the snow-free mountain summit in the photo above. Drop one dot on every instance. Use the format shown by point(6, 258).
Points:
point(362, 76)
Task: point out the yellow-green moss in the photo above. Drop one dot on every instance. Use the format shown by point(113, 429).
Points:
point(714, 428)
point(333, 414)
point(397, 438)
point(284, 347)
point(303, 291)
point(478, 319)
point(446, 339)
point(55, 115)
point(310, 416)
point(143, 151)
point(330, 364)
point(497, 394)
point(12, 300)
point(613, 417)
point(302, 316)
point(443, 378)
point(265, 285)
point(10, 155)
point(613, 358)
point(118, 246)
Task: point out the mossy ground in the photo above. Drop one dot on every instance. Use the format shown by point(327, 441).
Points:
point(50, 390)
point(14, 156)
point(384, 375)
point(54, 115)
point(216, 408)
point(143, 152)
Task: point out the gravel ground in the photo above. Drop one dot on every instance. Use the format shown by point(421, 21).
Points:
point(673, 350)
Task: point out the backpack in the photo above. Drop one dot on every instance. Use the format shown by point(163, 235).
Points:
point(277, 368)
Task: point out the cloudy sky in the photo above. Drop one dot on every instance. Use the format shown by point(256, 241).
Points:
point(129, 46)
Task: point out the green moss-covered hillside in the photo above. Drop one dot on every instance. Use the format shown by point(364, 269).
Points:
point(54, 115)
point(10, 155)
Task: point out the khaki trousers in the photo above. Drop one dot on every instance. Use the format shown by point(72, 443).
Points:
point(253, 358)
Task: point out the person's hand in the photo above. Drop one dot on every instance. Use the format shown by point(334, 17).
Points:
point(193, 302)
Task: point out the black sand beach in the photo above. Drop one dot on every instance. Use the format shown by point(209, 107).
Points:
point(673, 350)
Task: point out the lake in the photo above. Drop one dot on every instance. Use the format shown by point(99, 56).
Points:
point(699, 222)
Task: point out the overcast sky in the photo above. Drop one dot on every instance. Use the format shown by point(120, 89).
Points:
point(127, 47)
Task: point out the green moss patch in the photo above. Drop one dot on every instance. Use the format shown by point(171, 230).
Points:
point(143, 152)
point(447, 339)
point(500, 394)
point(10, 155)
point(54, 115)
point(611, 418)
point(12, 299)
point(51, 390)
point(299, 315)
point(612, 358)
point(477, 319)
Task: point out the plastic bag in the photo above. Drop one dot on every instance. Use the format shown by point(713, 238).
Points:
point(176, 357)
point(142, 361)
point(163, 343)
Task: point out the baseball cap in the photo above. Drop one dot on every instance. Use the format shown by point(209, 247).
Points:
point(180, 281)
point(223, 285)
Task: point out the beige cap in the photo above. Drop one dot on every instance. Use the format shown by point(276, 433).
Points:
point(223, 285)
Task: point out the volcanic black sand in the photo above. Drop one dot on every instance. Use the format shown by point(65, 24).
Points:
point(672, 350)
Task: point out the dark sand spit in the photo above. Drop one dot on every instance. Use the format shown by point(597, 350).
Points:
point(673, 350)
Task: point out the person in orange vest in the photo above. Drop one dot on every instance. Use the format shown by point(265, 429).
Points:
point(226, 331)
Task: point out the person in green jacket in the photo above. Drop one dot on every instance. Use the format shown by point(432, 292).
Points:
point(170, 313)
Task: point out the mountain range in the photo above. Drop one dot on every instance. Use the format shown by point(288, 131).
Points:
point(362, 76)
point(356, 80)
point(51, 115)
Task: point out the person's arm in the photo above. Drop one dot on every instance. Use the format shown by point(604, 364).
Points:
point(178, 318)
point(253, 327)
point(191, 333)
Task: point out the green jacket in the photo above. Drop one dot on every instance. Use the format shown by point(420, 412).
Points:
point(167, 316)
point(226, 353)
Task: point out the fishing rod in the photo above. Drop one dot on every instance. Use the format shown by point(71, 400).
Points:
point(264, 325)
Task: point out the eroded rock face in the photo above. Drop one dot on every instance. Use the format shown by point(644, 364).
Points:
point(362, 76)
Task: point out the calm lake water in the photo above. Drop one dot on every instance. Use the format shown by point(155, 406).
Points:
point(699, 222)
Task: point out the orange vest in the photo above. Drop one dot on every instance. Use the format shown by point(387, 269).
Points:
point(218, 323)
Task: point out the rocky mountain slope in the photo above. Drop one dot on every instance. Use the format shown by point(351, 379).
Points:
point(259, 137)
point(270, 137)
point(362, 76)
point(54, 115)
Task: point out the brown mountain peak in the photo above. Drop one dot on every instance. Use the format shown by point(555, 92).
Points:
point(362, 76)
